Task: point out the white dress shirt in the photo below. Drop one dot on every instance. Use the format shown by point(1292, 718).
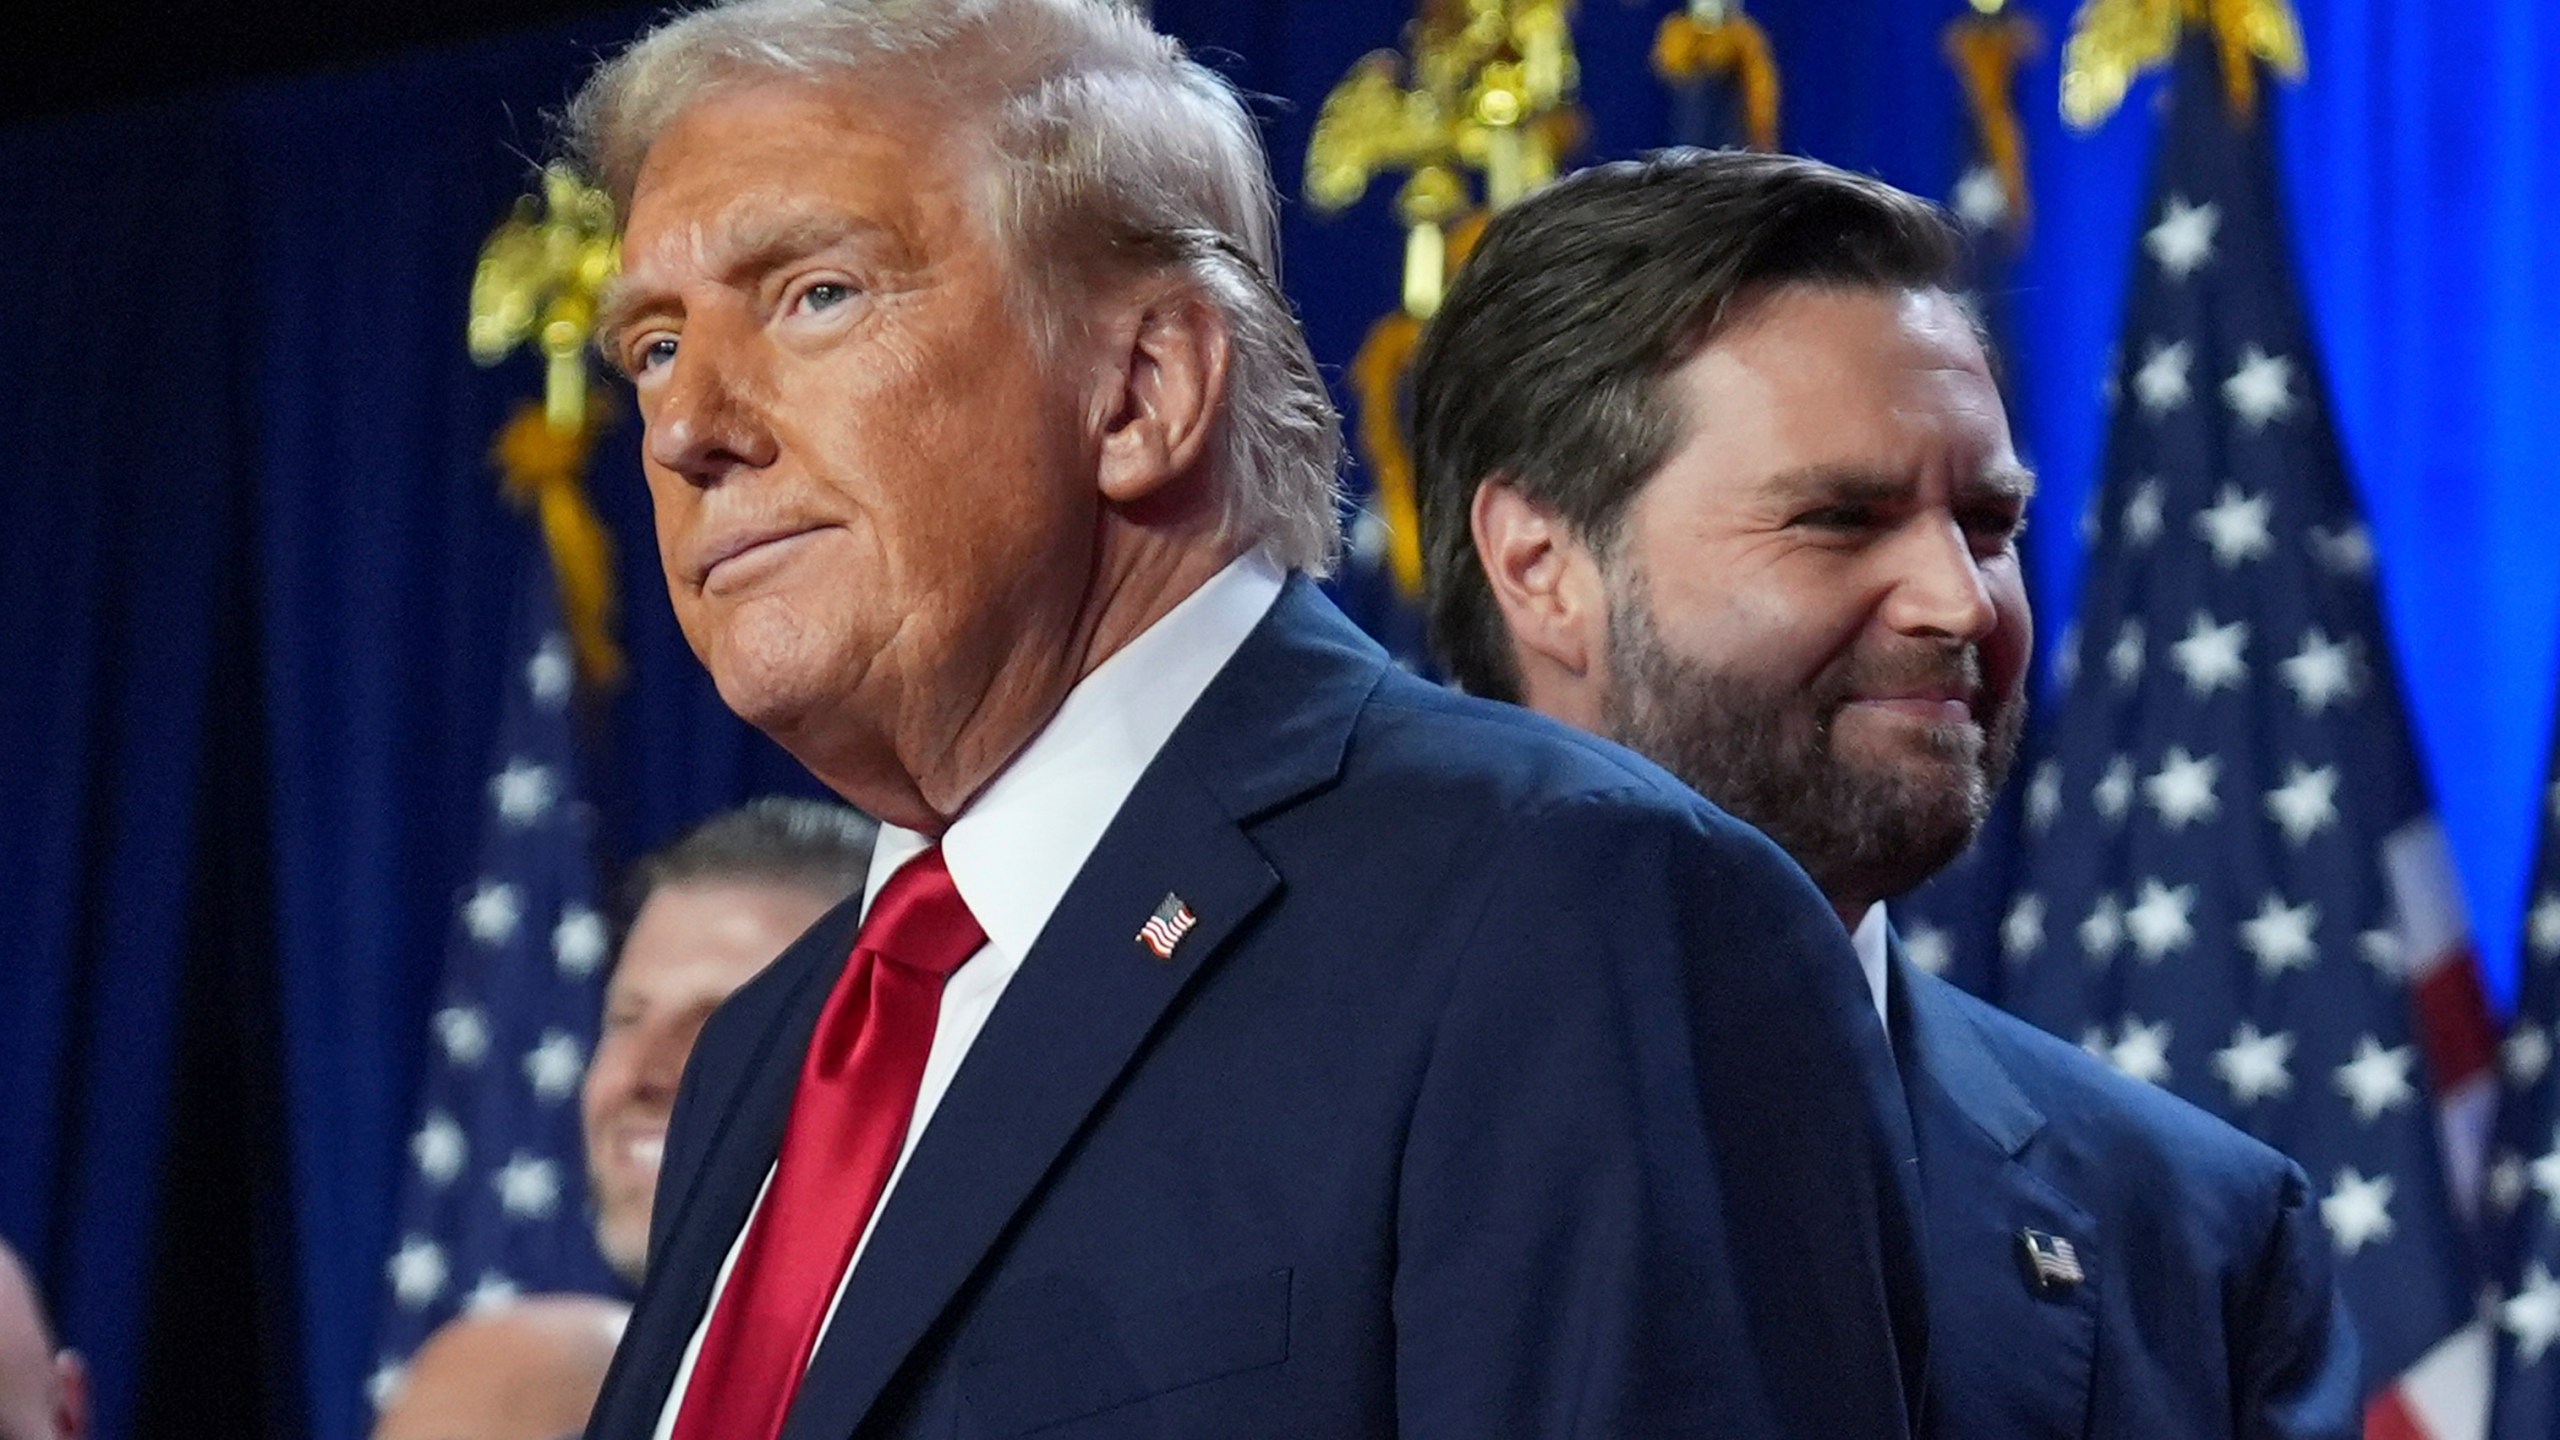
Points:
point(1868, 941)
point(1018, 846)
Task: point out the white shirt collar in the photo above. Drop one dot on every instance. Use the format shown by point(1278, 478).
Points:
point(1017, 847)
point(1868, 941)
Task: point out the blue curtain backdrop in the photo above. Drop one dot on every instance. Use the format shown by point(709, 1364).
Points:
point(252, 607)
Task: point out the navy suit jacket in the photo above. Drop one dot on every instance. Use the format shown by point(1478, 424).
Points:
point(1504, 1088)
point(2207, 1308)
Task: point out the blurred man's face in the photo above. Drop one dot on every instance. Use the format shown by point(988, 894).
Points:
point(873, 482)
point(689, 947)
point(1816, 612)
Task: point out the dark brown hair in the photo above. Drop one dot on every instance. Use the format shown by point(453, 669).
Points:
point(1545, 365)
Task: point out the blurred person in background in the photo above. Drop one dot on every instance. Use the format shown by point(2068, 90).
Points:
point(705, 913)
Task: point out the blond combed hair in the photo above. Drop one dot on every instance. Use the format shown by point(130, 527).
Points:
point(1107, 144)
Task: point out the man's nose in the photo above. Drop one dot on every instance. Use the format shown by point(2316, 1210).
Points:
point(1938, 588)
point(707, 422)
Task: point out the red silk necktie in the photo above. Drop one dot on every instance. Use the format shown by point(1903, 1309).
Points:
point(848, 1122)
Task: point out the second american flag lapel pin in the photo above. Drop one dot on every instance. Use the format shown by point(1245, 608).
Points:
point(1165, 928)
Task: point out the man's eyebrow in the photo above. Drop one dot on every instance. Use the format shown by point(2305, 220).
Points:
point(739, 250)
point(2010, 481)
point(1836, 484)
point(1848, 484)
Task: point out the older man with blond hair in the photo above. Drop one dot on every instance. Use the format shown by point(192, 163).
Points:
point(1236, 1036)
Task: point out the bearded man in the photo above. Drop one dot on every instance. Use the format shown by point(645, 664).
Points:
point(1713, 463)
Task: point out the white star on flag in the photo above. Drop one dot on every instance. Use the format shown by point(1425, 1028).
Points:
point(492, 913)
point(2143, 520)
point(2161, 383)
point(549, 673)
point(2347, 551)
point(492, 1291)
point(2307, 802)
point(2545, 1173)
point(528, 1186)
point(2543, 926)
point(384, 1383)
point(523, 792)
point(2161, 920)
point(2280, 936)
point(2114, 792)
point(2066, 655)
point(1981, 201)
point(464, 1032)
point(2142, 1051)
point(2525, 1053)
point(2044, 795)
point(2102, 929)
point(2210, 655)
point(578, 941)
point(2357, 1211)
point(1929, 948)
point(2235, 526)
point(2504, 1183)
point(2322, 672)
point(2383, 951)
point(1369, 536)
point(2124, 658)
point(2532, 1314)
point(417, 1271)
point(2022, 931)
point(2182, 789)
point(2261, 389)
point(2183, 240)
point(2377, 1079)
point(440, 1148)
point(2253, 1065)
point(554, 1065)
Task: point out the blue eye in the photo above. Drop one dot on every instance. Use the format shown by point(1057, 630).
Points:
point(655, 352)
point(826, 295)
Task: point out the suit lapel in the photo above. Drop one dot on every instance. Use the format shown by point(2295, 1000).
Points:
point(700, 1222)
point(2005, 1360)
point(1082, 1007)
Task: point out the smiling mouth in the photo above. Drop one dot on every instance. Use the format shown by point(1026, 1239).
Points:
point(1932, 709)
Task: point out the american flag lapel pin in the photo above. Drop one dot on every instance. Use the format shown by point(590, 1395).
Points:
point(1165, 928)
point(2052, 1265)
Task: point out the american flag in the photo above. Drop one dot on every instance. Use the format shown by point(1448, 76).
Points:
point(2523, 1186)
point(494, 1199)
point(1165, 928)
point(1951, 925)
point(2232, 886)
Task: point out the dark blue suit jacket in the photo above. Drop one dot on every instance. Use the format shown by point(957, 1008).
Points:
point(1503, 1089)
point(2207, 1309)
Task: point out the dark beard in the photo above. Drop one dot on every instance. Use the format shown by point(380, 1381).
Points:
point(1864, 832)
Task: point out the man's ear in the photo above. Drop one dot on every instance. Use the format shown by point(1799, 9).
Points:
point(1172, 386)
point(1548, 586)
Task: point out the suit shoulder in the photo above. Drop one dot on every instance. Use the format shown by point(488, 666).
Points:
point(2090, 1104)
point(1502, 758)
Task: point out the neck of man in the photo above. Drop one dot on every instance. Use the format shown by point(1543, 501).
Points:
point(944, 754)
point(1852, 913)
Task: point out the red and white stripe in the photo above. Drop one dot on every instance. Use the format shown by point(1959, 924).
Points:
point(2445, 1396)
